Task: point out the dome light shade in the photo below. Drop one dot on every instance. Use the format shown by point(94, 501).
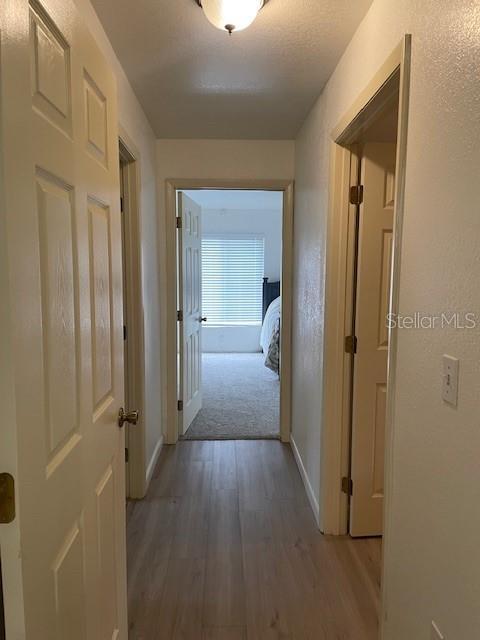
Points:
point(231, 15)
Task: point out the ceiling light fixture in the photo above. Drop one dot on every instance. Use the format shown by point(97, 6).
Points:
point(231, 15)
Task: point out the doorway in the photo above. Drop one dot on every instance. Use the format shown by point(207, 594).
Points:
point(373, 157)
point(371, 178)
point(229, 269)
point(369, 346)
point(174, 400)
point(133, 345)
point(363, 267)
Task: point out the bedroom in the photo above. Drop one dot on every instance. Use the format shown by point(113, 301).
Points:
point(229, 282)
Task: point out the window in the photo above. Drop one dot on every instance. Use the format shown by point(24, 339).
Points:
point(232, 278)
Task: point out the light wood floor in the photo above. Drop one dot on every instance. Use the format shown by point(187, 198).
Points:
point(225, 547)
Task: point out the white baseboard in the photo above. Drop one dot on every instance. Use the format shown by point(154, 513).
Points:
point(153, 461)
point(308, 487)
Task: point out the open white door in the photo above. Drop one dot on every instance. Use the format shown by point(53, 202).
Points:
point(190, 295)
point(64, 555)
point(370, 368)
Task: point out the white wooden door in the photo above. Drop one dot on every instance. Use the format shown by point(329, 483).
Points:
point(63, 241)
point(370, 367)
point(190, 294)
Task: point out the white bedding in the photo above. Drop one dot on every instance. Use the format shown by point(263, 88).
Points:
point(270, 322)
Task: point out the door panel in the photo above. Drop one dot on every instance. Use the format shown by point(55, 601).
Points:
point(69, 579)
point(370, 368)
point(190, 279)
point(59, 292)
point(96, 120)
point(50, 69)
point(63, 236)
point(100, 291)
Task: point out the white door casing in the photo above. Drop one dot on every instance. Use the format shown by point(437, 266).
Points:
point(63, 240)
point(370, 368)
point(190, 294)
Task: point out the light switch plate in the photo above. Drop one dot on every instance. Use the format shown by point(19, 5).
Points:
point(450, 380)
point(436, 634)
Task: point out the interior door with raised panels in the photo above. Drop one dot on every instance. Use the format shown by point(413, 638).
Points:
point(370, 368)
point(63, 235)
point(190, 294)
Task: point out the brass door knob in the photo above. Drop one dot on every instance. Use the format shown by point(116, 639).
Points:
point(131, 417)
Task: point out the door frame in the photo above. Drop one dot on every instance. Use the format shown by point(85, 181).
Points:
point(336, 436)
point(136, 481)
point(2, 607)
point(10, 539)
point(172, 185)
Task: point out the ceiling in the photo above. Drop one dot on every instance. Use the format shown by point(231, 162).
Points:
point(195, 81)
point(238, 200)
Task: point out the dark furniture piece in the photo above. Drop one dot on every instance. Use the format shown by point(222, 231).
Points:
point(271, 291)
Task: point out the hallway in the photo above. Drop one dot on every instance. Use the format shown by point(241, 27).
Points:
point(225, 547)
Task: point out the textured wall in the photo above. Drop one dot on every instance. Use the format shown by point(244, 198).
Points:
point(311, 183)
point(432, 572)
point(133, 121)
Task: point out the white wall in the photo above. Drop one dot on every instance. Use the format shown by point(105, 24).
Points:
point(263, 222)
point(234, 339)
point(134, 123)
point(431, 555)
point(217, 160)
point(225, 160)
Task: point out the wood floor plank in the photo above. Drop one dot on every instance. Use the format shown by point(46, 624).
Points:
point(149, 538)
point(179, 611)
point(224, 602)
point(225, 633)
point(252, 481)
point(266, 597)
point(224, 465)
point(224, 599)
point(225, 547)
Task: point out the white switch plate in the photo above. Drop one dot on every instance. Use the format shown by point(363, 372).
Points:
point(450, 380)
point(436, 635)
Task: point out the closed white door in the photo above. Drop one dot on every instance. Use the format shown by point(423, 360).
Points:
point(370, 366)
point(63, 239)
point(190, 294)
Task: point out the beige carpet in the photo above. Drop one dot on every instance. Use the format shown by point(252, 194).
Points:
point(240, 398)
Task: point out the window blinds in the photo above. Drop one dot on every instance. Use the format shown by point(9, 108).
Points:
point(232, 278)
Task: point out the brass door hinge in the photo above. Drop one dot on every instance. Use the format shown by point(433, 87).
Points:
point(7, 498)
point(180, 405)
point(179, 222)
point(124, 331)
point(351, 344)
point(356, 194)
point(347, 486)
point(180, 316)
point(127, 455)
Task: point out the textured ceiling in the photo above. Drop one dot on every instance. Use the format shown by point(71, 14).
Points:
point(195, 81)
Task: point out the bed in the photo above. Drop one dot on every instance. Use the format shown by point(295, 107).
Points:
point(270, 334)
